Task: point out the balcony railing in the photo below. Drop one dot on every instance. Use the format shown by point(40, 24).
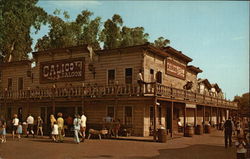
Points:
point(93, 91)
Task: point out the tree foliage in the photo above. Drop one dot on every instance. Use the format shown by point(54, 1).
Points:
point(243, 103)
point(16, 20)
point(62, 33)
point(161, 42)
point(116, 35)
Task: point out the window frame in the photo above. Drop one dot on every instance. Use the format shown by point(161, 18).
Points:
point(107, 76)
point(126, 76)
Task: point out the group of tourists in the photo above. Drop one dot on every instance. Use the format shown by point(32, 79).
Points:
point(230, 127)
point(58, 127)
point(27, 127)
point(57, 133)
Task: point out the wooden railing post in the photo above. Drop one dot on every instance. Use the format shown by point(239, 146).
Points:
point(82, 94)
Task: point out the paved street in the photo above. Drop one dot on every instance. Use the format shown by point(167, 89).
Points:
point(207, 146)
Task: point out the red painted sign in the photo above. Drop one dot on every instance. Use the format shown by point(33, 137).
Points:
point(175, 69)
point(62, 70)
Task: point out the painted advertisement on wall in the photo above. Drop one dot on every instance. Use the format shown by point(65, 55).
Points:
point(175, 69)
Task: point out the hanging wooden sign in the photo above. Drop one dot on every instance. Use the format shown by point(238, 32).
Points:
point(62, 70)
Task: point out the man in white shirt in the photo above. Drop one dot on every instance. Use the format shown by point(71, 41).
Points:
point(15, 122)
point(140, 80)
point(30, 122)
point(83, 125)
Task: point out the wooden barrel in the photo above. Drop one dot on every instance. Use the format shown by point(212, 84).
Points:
point(162, 135)
point(199, 130)
point(207, 129)
point(189, 131)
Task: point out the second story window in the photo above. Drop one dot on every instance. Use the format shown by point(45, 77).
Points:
point(152, 78)
point(111, 76)
point(9, 83)
point(128, 75)
point(159, 77)
point(20, 83)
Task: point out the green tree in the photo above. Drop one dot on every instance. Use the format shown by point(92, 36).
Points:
point(243, 103)
point(88, 29)
point(133, 36)
point(70, 33)
point(111, 34)
point(16, 20)
point(161, 42)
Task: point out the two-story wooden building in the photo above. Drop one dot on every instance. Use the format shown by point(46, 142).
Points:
point(104, 83)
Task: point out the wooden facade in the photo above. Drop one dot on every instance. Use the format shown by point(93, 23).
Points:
point(104, 83)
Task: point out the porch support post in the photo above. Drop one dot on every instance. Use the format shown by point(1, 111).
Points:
point(172, 116)
point(5, 104)
point(217, 117)
point(53, 100)
point(185, 115)
point(195, 116)
point(154, 112)
point(211, 114)
point(203, 115)
point(83, 96)
point(76, 110)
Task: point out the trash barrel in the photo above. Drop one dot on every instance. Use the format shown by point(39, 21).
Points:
point(189, 131)
point(162, 135)
point(207, 129)
point(199, 130)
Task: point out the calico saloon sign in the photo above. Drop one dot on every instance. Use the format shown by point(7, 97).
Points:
point(62, 70)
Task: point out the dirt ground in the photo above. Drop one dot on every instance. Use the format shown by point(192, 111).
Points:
point(206, 146)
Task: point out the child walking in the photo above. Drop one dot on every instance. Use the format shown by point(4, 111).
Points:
point(3, 130)
point(19, 130)
point(241, 148)
point(54, 132)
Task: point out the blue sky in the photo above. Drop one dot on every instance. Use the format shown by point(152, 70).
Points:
point(215, 34)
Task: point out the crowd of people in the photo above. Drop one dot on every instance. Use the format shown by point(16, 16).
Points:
point(57, 127)
point(240, 129)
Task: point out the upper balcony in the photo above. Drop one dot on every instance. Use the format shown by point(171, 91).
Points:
point(95, 91)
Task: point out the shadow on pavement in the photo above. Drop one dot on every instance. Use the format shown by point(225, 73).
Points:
point(50, 141)
point(194, 152)
point(98, 156)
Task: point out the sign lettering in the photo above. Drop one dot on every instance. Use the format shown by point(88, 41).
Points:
point(175, 69)
point(62, 70)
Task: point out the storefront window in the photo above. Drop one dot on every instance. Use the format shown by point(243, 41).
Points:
point(128, 115)
point(111, 111)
